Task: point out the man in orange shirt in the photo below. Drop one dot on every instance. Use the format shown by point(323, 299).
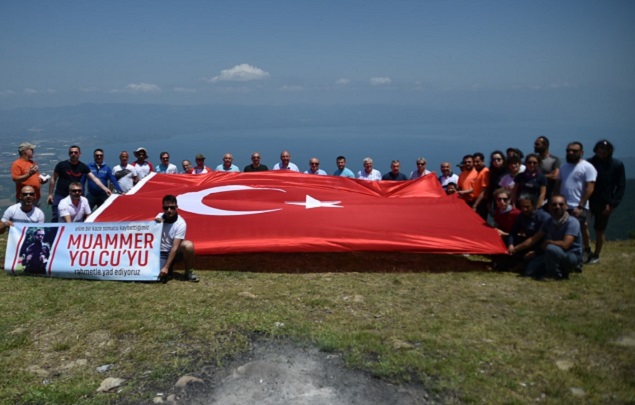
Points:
point(25, 172)
point(481, 182)
point(466, 180)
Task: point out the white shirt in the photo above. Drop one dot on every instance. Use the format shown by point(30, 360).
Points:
point(574, 178)
point(66, 207)
point(172, 231)
point(171, 169)
point(14, 213)
point(373, 175)
point(415, 174)
point(127, 181)
point(290, 166)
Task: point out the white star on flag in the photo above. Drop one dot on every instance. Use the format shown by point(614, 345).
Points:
point(315, 203)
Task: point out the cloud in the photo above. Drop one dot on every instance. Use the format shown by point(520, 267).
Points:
point(88, 89)
point(380, 81)
point(293, 87)
point(7, 92)
point(184, 90)
point(342, 81)
point(51, 91)
point(240, 73)
point(30, 91)
point(138, 88)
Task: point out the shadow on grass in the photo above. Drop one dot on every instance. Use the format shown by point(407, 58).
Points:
point(364, 262)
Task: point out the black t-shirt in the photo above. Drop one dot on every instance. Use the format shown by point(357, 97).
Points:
point(68, 173)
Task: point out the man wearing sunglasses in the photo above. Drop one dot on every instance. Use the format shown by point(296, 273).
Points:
point(24, 211)
point(65, 173)
point(74, 208)
point(174, 246)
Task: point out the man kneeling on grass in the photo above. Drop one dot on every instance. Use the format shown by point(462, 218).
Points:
point(561, 246)
point(174, 247)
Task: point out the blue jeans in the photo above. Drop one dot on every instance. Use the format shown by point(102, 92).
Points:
point(555, 263)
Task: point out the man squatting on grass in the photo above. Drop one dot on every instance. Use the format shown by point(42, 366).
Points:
point(561, 244)
point(174, 247)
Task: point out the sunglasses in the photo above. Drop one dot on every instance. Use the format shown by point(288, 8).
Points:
point(169, 207)
point(76, 191)
point(25, 194)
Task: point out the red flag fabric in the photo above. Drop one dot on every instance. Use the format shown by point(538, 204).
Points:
point(281, 211)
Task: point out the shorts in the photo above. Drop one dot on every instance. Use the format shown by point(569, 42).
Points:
point(601, 221)
point(584, 217)
point(164, 258)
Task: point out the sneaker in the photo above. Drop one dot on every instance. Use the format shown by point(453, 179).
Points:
point(190, 276)
point(586, 255)
point(593, 259)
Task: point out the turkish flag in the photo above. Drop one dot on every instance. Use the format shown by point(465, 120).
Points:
point(282, 211)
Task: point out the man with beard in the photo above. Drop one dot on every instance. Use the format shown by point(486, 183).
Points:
point(23, 212)
point(608, 192)
point(576, 183)
point(37, 254)
point(549, 164)
point(174, 246)
point(480, 185)
point(342, 170)
point(466, 180)
point(561, 249)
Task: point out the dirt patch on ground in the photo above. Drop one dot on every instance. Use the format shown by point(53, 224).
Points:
point(274, 373)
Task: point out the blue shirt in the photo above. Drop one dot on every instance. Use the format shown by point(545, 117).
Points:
point(104, 174)
point(570, 227)
point(221, 168)
point(345, 172)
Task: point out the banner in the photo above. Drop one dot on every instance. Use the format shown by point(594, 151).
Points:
point(284, 211)
point(125, 251)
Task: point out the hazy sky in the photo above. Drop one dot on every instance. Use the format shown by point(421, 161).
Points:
point(275, 52)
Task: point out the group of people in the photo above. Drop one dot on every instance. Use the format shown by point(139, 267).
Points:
point(529, 198)
point(542, 207)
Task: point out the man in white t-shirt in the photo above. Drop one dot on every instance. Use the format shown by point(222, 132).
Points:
point(174, 246)
point(126, 174)
point(23, 212)
point(75, 207)
point(576, 182)
point(165, 166)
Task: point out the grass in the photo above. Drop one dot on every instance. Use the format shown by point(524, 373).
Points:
point(468, 334)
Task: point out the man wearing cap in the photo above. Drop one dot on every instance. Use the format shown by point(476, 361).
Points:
point(142, 166)
point(255, 165)
point(25, 172)
point(285, 162)
point(607, 194)
point(65, 173)
point(200, 167)
point(227, 165)
point(22, 212)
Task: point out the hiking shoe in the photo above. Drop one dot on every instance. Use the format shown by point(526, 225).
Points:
point(593, 259)
point(190, 276)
